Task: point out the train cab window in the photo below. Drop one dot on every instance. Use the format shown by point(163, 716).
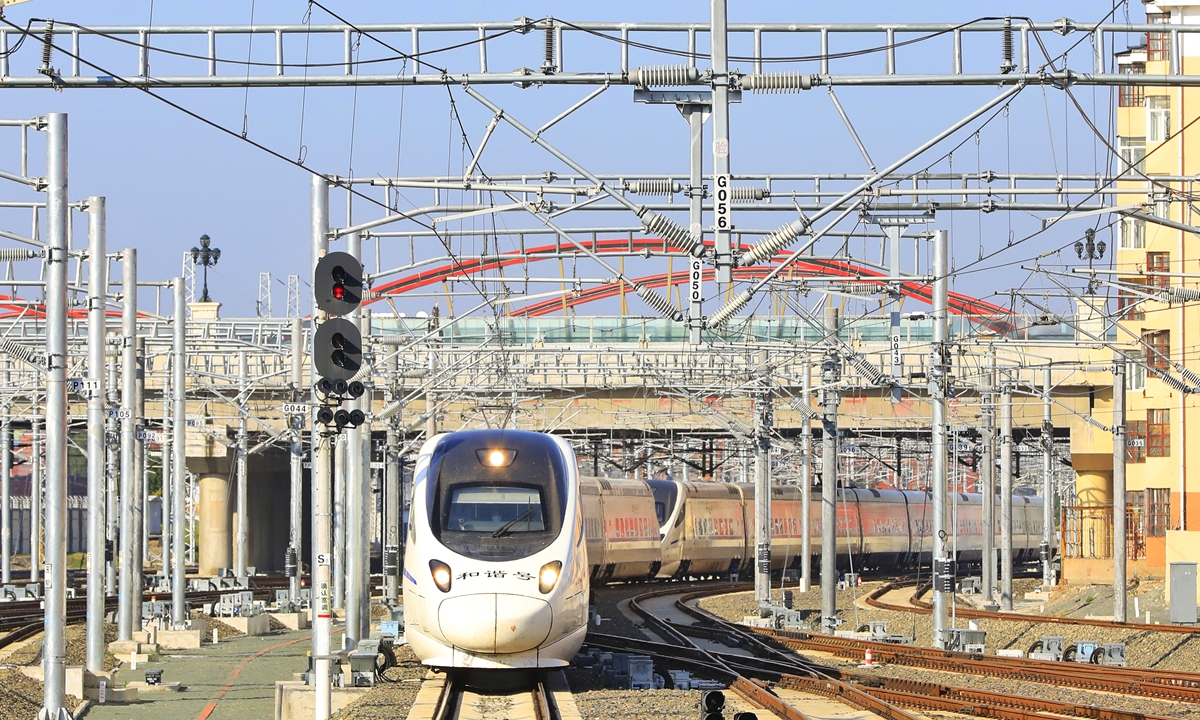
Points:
point(666, 492)
point(497, 495)
point(498, 509)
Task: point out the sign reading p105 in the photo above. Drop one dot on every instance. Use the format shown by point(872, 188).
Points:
point(338, 283)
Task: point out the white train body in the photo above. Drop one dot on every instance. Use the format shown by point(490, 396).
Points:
point(496, 570)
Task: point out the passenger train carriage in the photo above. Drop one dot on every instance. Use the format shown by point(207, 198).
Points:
point(496, 573)
point(708, 528)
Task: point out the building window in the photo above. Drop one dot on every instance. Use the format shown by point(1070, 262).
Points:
point(1133, 155)
point(1129, 302)
point(1158, 433)
point(1158, 44)
point(1162, 206)
point(1158, 349)
point(1133, 234)
point(1158, 119)
point(1135, 441)
point(1132, 95)
point(1158, 511)
point(1135, 378)
point(1158, 262)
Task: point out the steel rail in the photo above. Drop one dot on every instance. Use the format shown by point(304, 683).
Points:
point(923, 608)
point(755, 693)
point(922, 695)
point(1145, 682)
point(984, 703)
point(29, 624)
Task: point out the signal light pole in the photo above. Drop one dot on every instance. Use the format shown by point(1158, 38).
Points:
point(322, 605)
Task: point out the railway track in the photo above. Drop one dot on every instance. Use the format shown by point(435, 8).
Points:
point(458, 699)
point(924, 608)
point(767, 657)
point(1144, 682)
point(24, 619)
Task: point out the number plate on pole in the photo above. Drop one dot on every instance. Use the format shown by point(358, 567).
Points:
point(722, 202)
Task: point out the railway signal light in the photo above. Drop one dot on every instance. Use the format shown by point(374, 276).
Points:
point(338, 283)
point(337, 351)
point(712, 705)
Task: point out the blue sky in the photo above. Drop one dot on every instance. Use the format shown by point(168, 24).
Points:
point(169, 178)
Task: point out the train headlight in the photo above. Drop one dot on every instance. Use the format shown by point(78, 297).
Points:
point(548, 575)
point(496, 457)
point(441, 574)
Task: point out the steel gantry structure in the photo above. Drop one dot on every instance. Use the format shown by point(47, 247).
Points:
point(497, 354)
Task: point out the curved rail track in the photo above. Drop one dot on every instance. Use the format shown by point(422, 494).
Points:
point(924, 608)
point(768, 657)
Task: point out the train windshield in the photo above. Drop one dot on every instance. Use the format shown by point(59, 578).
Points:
point(500, 509)
point(497, 495)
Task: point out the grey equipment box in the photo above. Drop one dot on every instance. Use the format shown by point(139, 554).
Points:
point(966, 640)
point(1183, 593)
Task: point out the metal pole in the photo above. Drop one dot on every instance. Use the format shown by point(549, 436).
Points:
point(296, 503)
point(830, 397)
point(695, 118)
point(987, 477)
point(1006, 504)
point(54, 643)
point(943, 566)
point(806, 483)
point(97, 374)
point(339, 521)
point(1048, 480)
point(762, 489)
point(322, 608)
point(141, 481)
point(6, 490)
point(112, 477)
point(37, 481)
point(431, 426)
point(165, 537)
point(179, 448)
point(391, 493)
point(130, 592)
point(366, 490)
point(241, 562)
point(718, 33)
point(1120, 599)
point(353, 529)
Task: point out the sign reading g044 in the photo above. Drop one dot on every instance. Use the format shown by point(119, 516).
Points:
point(337, 349)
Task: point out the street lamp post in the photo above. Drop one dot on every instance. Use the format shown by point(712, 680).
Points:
point(205, 257)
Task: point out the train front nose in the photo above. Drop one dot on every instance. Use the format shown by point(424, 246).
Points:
point(495, 623)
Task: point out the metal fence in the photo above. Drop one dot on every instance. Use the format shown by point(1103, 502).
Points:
point(1087, 531)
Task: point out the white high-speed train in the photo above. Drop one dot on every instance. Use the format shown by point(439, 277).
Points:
point(496, 570)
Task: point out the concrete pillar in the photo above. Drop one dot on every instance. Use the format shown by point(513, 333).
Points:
point(216, 522)
point(267, 498)
point(1093, 486)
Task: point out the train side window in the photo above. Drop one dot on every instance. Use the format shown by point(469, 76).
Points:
point(660, 510)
